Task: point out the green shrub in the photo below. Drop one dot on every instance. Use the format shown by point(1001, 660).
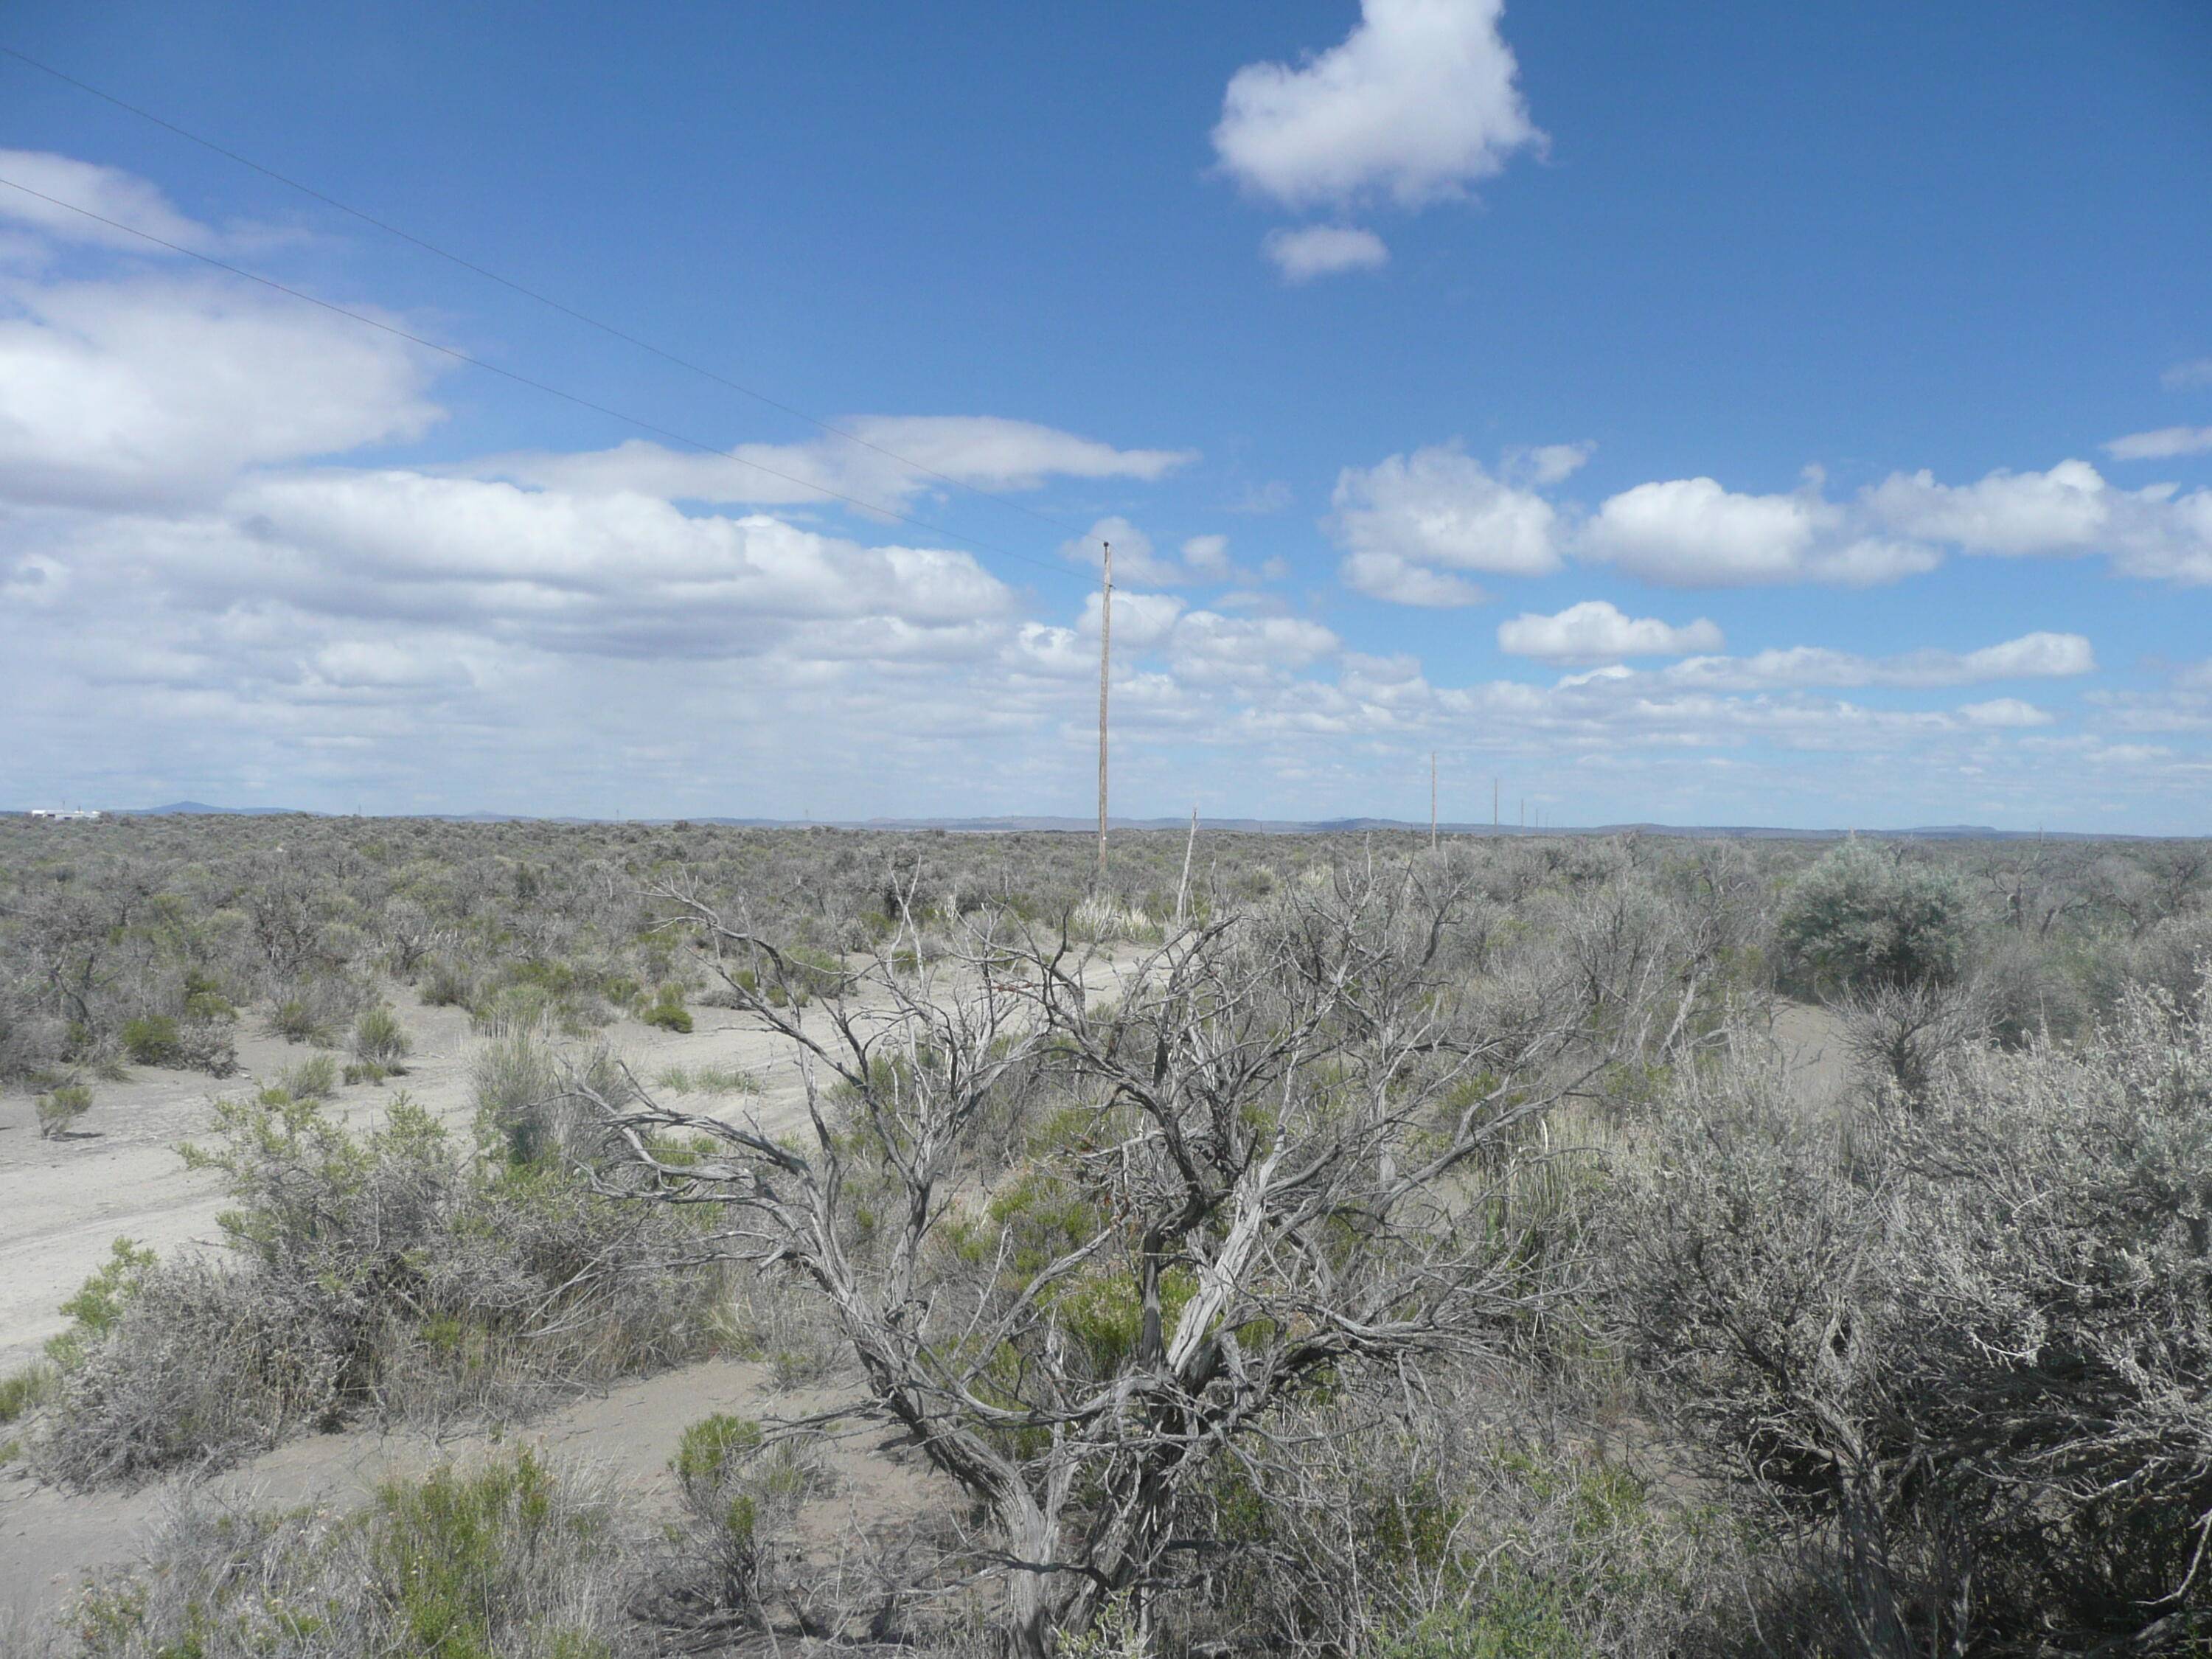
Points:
point(151, 1040)
point(738, 1491)
point(667, 1009)
point(379, 1041)
point(711, 1448)
point(1864, 919)
point(98, 1306)
point(60, 1107)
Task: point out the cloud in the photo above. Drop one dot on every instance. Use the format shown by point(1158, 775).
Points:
point(1203, 559)
point(1208, 647)
point(2032, 656)
point(1314, 251)
point(1547, 464)
point(1409, 522)
point(2064, 510)
point(1397, 580)
point(897, 458)
point(1207, 557)
point(158, 389)
point(2009, 712)
point(2157, 445)
point(1141, 621)
point(2156, 532)
point(107, 191)
point(613, 576)
point(1691, 532)
point(1596, 632)
point(1202, 646)
point(1416, 104)
point(1260, 499)
point(2181, 376)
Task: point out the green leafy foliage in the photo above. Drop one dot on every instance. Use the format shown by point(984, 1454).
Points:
point(1864, 917)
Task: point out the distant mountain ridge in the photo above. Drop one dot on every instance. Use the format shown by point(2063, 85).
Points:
point(1050, 823)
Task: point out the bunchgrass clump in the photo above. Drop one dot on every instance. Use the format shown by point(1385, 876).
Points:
point(315, 1078)
point(379, 1041)
point(61, 1106)
point(514, 1556)
point(707, 1080)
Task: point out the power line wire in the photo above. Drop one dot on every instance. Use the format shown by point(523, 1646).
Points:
point(544, 300)
point(460, 356)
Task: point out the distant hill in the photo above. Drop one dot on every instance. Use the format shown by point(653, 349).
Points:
point(1054, 825)
point(201, 809)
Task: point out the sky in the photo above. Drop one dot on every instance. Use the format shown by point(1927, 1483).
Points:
point(1736, 414)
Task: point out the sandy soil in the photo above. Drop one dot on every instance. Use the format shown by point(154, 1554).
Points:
point(1812, 1040)
point(49, 1538)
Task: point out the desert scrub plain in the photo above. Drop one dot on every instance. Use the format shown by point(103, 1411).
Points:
point(606, 1239)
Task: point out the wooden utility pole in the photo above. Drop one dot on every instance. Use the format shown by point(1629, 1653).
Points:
point(1182, 887)
point(1493, 805)
point(1105, 658)
point(1432, 800)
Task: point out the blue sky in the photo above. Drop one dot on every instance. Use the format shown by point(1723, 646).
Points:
point(1731, 414)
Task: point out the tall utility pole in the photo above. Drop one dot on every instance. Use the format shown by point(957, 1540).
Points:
point(1105, 656)
point(1432, 800)
point(1493, 806)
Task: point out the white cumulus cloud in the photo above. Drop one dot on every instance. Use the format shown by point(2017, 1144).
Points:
point(1595, 631)
point(1691, 533)
point(1410, 522)
point(1313, 251)
point(2157, 532)
point(1417, 103)
point(162, 389)
point(2065, 509)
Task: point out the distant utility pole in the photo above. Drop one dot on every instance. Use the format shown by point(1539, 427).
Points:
point(1182, 887)
point(1105, 656)
point(1493, 805)
point(1432, 800)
